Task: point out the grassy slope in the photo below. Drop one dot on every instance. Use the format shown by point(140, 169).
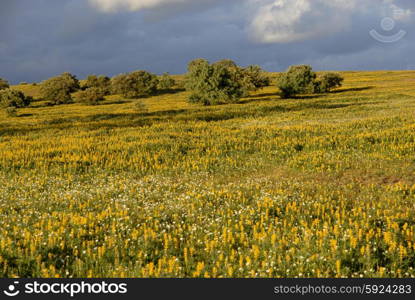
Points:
point(317, 186)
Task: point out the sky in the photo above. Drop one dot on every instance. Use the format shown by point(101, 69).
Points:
point(43, 38)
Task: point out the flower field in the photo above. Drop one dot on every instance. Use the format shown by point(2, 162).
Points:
point(317, 186)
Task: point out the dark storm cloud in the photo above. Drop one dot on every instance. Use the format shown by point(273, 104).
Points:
point(43, 38)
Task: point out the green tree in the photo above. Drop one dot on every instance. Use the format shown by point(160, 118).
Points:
point(227, 63)
point(252, 77)
point(58, 89)
point(329, 81)
point(101, 82)
point(297, 80)
point(135, 85)
point(91, 96)
point(255, 78)
point(166, 82)
point(13, 98)
point(11, 112)
point(213, 83)
point(4, 84)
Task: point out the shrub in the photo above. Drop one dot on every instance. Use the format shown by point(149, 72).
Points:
point(213, 84)
point(3, 84)
point(329, 81)
point(255, 78)
point(13, 98)
point(166, 82)
point(100, 82)
point(251, 78)
point(58, 89)
point(91, 96)
point(227, 63)
point(297, 80)
point(11, 111)
point(135, 85)
point(238, 75)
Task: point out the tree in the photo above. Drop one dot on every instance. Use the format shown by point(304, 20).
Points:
point(297, 80)
point(101, 82)
point(135, 85)
point(213, 83)
point(91, 96)
point(13, 98)
point(329, 81)
point(3, 84)
point(166, 82)
point(11, 112)
point(227, 63)
point(255, 78)
point(252, 77)
point(58, 89)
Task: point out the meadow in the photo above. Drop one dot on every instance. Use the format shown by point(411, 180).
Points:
point(316, 186)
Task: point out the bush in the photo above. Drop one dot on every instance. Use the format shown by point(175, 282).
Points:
point(255, 78)
point(297, 80)
point(3, 84)
point(135, 85)
point(213, 84)
point(166, 82)
point(301, 79)
point(227, 63)
point(11, 111)
point(58, 89)
point(329, 81)
point(251, 78)
point(91, 96)
point(13, 98)
point(100, 82)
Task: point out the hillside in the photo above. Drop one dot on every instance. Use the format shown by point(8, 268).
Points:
point(320, 185)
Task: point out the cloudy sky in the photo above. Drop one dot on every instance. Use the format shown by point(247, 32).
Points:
point(42, 38)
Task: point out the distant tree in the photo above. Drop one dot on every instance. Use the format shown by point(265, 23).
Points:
point(166, 82)
point(101, 82)
point(227, 63)
point(11, 111)
point(255, 78)
point(58, 89)
point(213, 83)
point(252, 77)
point(297, 80)
point(329, 81)
point(13, 98)
point(91, 96)
point(196, 63)
point(3, 84)
point(135, 85)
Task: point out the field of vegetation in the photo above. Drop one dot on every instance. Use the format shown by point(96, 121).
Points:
point(313, 186)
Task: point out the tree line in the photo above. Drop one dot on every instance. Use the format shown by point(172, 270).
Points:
point(207, 83)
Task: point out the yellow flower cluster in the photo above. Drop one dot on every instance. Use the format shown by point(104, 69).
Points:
point(319, 187)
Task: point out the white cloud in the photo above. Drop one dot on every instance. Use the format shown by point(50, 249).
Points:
point(285, 21)
point(130, 5)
